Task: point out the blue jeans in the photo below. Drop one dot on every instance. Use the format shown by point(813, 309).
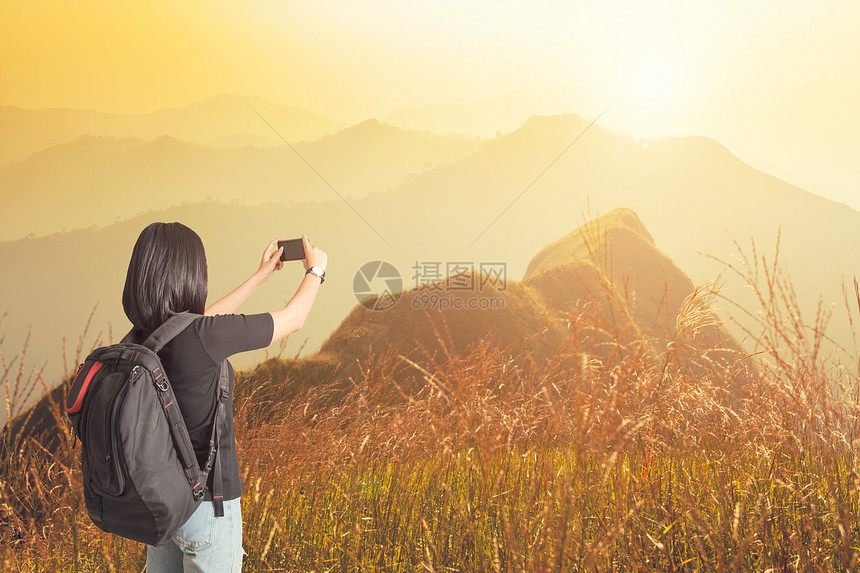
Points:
point(204, 544)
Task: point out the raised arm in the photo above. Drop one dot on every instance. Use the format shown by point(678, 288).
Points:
point(292, 316)
point(232, 302)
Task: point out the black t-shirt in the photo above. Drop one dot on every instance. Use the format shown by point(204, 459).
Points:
point(192, 361)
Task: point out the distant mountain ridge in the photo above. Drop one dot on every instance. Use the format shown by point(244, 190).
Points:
point(490, 117)
point(26, 131)
point(97, 180)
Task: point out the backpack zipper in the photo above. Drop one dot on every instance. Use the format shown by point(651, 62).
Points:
point(113, 457)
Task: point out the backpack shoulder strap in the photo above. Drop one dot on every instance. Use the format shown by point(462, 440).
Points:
point(219, 430)
point(167, 331)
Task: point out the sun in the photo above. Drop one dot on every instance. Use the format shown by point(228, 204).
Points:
point(651, 81)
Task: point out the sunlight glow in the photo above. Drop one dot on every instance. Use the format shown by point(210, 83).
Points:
point(654, 81)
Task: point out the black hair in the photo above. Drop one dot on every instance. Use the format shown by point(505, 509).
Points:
point(167, 274)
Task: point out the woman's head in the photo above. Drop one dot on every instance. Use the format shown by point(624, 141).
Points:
point(167, 274)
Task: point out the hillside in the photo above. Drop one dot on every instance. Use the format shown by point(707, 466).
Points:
point(610, 264)
point(512, 314)
point(808, 134)
point(615, 258)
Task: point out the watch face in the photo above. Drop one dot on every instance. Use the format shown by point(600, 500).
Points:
point(317, 271)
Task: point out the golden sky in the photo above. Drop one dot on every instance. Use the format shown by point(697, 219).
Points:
point(661, 67)
point(358, 59)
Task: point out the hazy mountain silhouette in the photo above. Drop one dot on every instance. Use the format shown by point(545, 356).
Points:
point(225, 119)
point(87, 182)
point(498, 115)
point(808, 134)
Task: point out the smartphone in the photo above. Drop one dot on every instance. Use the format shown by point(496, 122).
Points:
point(294, 250)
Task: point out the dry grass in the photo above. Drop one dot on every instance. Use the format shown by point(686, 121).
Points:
point(641, 460)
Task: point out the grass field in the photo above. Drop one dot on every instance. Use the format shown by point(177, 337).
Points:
point(646, 459)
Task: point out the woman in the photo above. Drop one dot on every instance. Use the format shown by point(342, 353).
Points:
point(168, 274)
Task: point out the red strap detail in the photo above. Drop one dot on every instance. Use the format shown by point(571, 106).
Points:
point(79, 401)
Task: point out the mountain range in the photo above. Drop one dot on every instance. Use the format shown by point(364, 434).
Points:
point(501, 202)
point(224, 119)
point(495, 116)
point(99, 180)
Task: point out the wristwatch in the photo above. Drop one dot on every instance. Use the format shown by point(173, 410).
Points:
point(317, 272)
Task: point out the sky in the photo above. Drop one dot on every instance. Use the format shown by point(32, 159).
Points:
point(660, 67)
point(358, 59)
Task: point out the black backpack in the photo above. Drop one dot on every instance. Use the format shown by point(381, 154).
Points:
point(140, 475)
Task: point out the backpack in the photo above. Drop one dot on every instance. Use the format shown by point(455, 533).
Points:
point(141, 478)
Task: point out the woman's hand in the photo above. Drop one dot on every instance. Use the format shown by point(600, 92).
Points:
point(292, 317)
point(314, 256)
point(271, 260)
